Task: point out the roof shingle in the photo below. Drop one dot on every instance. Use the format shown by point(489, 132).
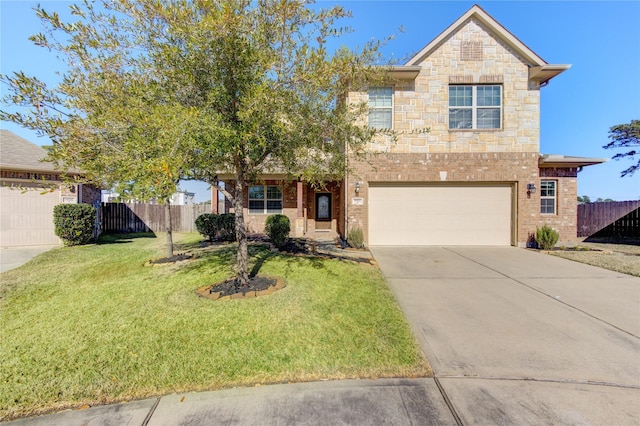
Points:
point(17, 153)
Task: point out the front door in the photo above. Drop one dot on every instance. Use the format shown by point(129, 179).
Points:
point(323, 210)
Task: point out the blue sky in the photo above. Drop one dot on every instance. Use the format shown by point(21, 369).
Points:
point(599, 38)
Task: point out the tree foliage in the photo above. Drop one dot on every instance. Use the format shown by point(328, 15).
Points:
point(162, 90)
point(626, 136)
point(587, 199)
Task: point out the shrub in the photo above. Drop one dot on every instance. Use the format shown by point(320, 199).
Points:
point(206, 225)
point(74, 223)
point(356, 238)
point(227, 226)
point(547, 237)
point(213, 225)
point(277, 228)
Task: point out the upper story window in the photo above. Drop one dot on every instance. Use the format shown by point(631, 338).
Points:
point(548, 197)
point(475, 107)
point(381, 107)
point(265, 199)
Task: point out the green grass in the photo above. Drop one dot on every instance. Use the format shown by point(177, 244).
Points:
point(91, 325)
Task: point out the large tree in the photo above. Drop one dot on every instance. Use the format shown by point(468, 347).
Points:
point(157, 91)
point(626, 136)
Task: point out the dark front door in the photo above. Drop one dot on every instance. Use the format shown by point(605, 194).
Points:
point(323, 210)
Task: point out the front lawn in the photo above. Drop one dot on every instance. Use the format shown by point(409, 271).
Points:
point(93, 325)
point(624, 258)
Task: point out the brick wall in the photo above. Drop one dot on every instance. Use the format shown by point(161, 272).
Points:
point(255, 222)
point(518, 169)
point(565, 221)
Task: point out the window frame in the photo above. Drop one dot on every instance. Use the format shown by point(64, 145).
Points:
point(475, 108)
point(546, 197)
point(265, 200)
point(380, 108)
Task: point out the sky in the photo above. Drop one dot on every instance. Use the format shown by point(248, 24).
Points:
point(598, 38)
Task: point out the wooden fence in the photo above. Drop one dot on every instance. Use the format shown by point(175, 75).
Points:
point(620, 218)
point(125, 217)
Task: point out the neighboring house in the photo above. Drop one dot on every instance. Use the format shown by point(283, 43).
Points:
point(477, 178)
point(29, 188)
point(180, 198)
point(183, 198)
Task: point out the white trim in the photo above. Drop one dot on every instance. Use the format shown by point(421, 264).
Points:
point(265, 200)
point(393, 92)
point(474, 107)
point(554, 197)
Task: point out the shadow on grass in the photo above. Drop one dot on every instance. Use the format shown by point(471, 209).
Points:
point(123, 238)
point(222, 259)
point(259, 259)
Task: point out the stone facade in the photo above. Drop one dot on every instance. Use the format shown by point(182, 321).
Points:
point(424, 102)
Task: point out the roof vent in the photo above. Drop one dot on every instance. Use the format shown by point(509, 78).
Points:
point(471, 51)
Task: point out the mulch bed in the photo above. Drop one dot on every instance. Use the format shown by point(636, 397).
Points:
point(258, 286)
point(257, 283)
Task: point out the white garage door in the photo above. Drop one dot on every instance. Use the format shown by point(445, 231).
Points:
point(440, 215)
point(26, 219)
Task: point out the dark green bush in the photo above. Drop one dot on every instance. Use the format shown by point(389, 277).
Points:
point(74, 223)
point(227, 226)
point(217, 225)
point(356, 238)
point(547, 237)
point(277, 228)
point(206, 225)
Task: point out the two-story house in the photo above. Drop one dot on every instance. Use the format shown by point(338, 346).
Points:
point(476, 178)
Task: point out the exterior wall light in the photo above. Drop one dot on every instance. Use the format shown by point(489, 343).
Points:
point(531, 189)
point(357, 187)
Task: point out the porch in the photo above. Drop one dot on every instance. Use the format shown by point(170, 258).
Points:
point(316, 213)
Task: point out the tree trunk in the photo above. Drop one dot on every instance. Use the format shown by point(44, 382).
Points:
point(242, 260)
point(167, 213)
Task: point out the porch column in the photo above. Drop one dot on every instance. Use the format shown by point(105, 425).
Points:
point(299, 227)
point(214, 200)
point(299, 194)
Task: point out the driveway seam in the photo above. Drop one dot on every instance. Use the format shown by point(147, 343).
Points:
point(447, 401)
point(543, 293)
point(542, 380)
point(152, 410)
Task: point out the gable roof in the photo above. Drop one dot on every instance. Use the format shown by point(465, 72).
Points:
point(539, 69)
point(17, 153)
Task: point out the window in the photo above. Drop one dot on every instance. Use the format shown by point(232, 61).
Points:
point(548, 197)
point(265, 199)
point(381, 107)
point(475, 107)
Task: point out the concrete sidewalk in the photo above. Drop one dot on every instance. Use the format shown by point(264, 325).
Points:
point(347, 402)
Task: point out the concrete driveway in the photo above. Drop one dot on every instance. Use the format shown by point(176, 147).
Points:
point(520, 337)
point(12, 257)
